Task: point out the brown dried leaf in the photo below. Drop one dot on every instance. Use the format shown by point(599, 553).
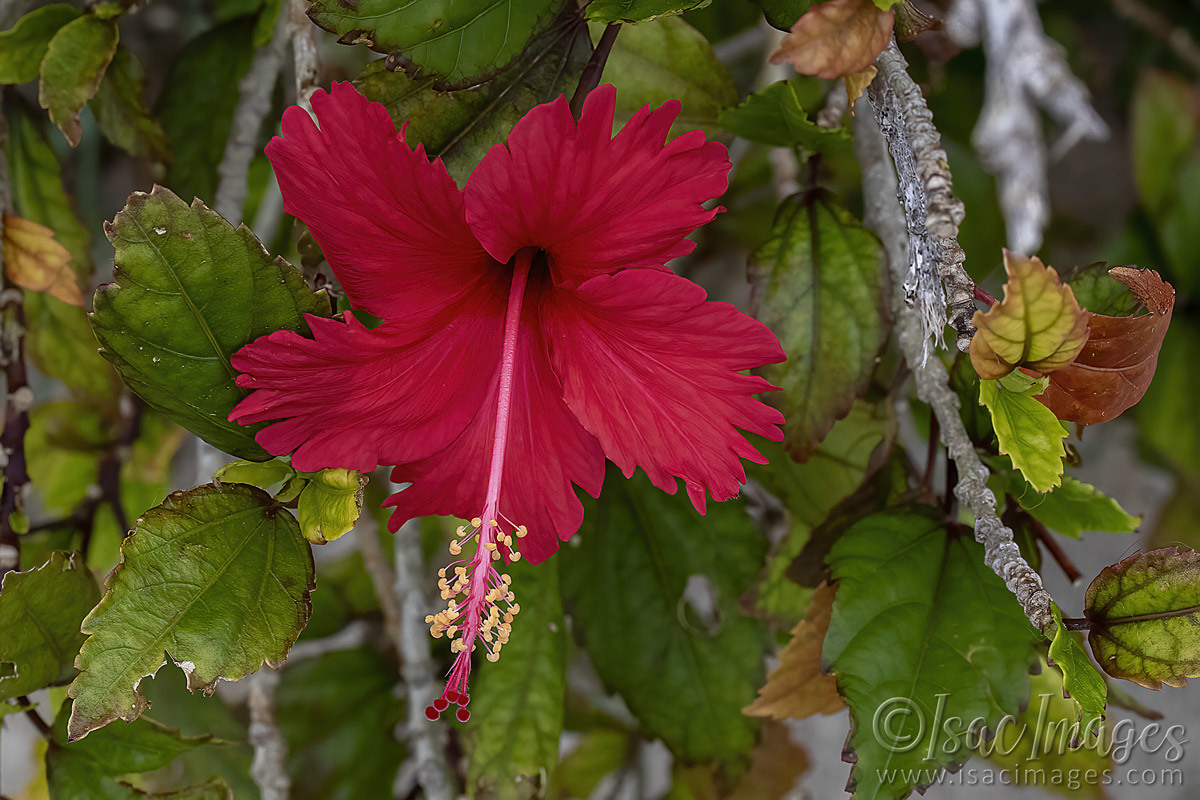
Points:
point(1038, 324)
point(777, 763)
point(1115, 367)
point(797, 688)
point(837, 38)
point(34, 260)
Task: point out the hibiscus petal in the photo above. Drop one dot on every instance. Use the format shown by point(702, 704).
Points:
point(547, 451)
point(355, 397)
point(652, 368)
point(390, 222)
point(595, 203)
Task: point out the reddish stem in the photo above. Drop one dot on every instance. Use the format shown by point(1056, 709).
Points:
point(983, 296)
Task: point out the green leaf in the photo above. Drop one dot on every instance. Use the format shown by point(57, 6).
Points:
point(86, 770)
point(461, 126)
point(1082, 682)
point(774, 116)
point(684, 662)
point(669, 59)
point(599, 753)
point(782, 14)
point(1145, 616)
point(75, 62)
point(957, 645)
point(1165, 113)
point(120, 109)
point(1101, 293)
point(59, 340)
point(821, 284)
point(40, 612)
point(23, 46)
point(1041, 739)
point(339, 714)
point(64, 443)
point(255, 473)
point(608, 11)
point(37, 186)
point(189, 290)
point(330, 504)
point(1028, 432)
point(853, 449)
point(1073, 508)
point(218, 577)
point(517, 703)
point(197, 103)
point(458, 45)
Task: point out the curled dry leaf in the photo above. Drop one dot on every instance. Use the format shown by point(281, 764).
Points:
point(1115, 366)
point(34, 260)
point(1038, 324)
point(798, 688)
point(837, 38)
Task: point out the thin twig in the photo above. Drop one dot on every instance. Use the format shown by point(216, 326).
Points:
point(932, 277)
point(1077, 623)
point(884, 215)
point(1056, 552)
point(35, 718)
point(269, 768)
point(427, 741)
point(355, 634)
point(383, 580)
point(254, 100)
point(304, 54)
point(1154, 23)
point(590, 77)
point(930, 457)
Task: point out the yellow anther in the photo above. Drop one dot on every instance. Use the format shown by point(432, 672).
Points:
point(489, 545)
point(515, 556)
point(476, 522)
point(495, 524)
point(429, 618)
point(522, 531)
point(516, 607)
point(453, 629)
point(455, 549)
point(493, 657)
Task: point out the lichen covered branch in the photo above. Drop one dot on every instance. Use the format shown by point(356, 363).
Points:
point(1026, 72)
point(895, 228)
point(934, 280)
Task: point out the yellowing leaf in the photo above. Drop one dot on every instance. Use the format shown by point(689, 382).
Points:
point(838, 38)
point(1027, 431)
point(797, 688)
point(34, 260)
point(857, 83)
point(1038, 324)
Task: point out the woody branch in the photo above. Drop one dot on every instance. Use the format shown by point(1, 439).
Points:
point(922, 235)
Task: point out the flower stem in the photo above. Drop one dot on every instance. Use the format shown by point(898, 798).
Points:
point(590, 77)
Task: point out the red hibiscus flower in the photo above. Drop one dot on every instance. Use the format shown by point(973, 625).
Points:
point(531, 330)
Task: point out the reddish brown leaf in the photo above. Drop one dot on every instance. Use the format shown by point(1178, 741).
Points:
point(1115, 367)
point(837, 38)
